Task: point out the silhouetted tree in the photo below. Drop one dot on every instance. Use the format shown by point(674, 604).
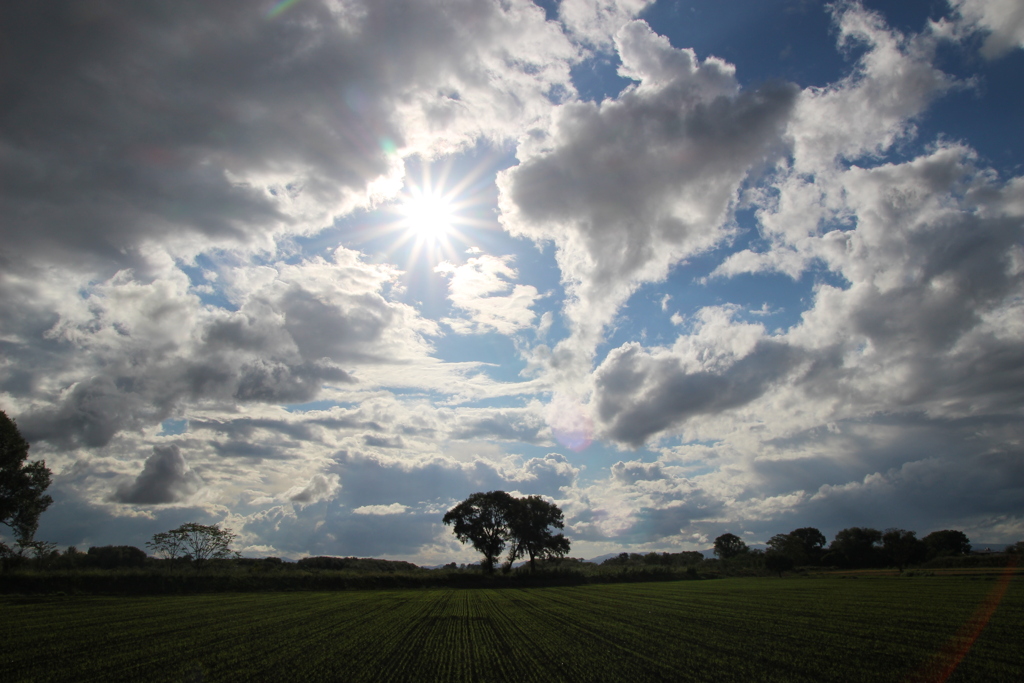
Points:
point(21, 486)
point(198, 542)
point(530, 524)
point(483, 519)
point(803, 545)
point(947, 542)
point(115, 556)
point(778, 562)
point(729, 545)
point(857, 547)
point(902, 547)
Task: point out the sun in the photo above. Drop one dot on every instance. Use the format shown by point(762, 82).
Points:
point(427, 215)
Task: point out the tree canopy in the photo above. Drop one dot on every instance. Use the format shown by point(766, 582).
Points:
point(729, 545)
point(902, 547)
point(530, 523)
point(22, 483)
point(197, 542)
point(483, 520)
point(493, 520)
point(856, 547)
point(802, 546)
point(947, 542)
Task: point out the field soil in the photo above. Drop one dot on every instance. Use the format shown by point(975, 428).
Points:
point(868, 628)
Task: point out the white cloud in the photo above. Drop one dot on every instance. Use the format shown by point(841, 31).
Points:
point(393, 509)
point(628, 187)
point(1003, 20)
point(482, 288)
point(320, 487)
point(866, 112)
point(594, 22)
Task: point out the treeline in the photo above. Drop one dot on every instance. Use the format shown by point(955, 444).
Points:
point(852, 548)
point(683, 559)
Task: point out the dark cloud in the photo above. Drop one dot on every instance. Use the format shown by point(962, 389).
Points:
point(270, 382)
point(90, 414)
point(179, 120)
point(165, 478)
point(511, 424)
point(638, 394)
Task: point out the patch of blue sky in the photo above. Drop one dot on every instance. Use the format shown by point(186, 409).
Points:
point(550, 8)
point(596, 78)
point(323, 404)
point(593, 461)
point(994, 96)
point(498, 352)
point(173, 427)
point(207, 289)
point(799, 35)
point(773, 299)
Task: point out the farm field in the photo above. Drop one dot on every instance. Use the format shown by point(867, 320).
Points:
point(793, 629)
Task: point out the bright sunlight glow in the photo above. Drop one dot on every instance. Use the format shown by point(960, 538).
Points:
point(428, 216)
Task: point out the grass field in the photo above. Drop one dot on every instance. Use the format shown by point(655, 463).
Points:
point(799, 629)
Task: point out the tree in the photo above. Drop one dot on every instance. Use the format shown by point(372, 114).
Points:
point(21, 485)
point(778, 562)
point(483, 520)
point(803, 546)
point(902, 547)
point(115, 556)
point(729, 545)
point(197, 542)
point(531, 521)
point(947, 542)
point(857, 546)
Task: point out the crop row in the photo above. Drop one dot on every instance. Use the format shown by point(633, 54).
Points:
point(765, 629)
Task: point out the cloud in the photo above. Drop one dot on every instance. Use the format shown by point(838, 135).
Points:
point(320, 487)
point(165, 478)
point(1003, 20)
point(866, 112)
point(190, 126)
point(482, 288)
point(393, 509)
point(639, 394)
point(594, 22)
point(628, 187)
point(130, 352)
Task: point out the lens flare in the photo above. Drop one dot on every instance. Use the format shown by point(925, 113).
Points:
point(279, 8)
point(949, 657)
point(570, 423)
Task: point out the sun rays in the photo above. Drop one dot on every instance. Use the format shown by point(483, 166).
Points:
point(437, 216)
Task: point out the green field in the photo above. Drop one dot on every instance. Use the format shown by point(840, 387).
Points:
point(799, 629)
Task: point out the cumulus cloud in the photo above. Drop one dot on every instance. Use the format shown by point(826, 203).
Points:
point(147, 348)
point(869, 110)
point(320, 487)
point(482, 288)
point(165, 176)
point(641, 392)
point(630, 186)
point(186, 125)
point(165, 478)
point(594, 22)
point(1002, 20)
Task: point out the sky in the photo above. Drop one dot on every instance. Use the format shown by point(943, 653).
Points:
point(317, 270)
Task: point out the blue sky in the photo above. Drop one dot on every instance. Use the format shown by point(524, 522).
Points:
point(317, 272)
